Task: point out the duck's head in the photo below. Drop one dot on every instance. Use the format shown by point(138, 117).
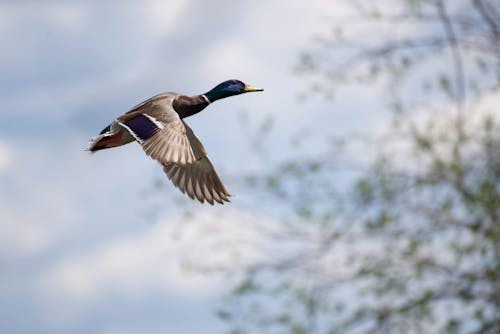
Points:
point(230, 88)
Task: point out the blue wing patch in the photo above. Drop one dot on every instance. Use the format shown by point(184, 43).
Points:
point(141, 127)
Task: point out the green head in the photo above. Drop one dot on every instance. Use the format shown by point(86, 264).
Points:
point(230, 88)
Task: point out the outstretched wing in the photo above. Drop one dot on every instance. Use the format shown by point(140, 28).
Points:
point(198, 179)
point(171, 142)
point(158, 128)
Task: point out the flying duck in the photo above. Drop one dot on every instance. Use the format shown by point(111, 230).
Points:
point(157, 125)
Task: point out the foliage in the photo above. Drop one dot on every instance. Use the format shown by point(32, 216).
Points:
point(414, 245)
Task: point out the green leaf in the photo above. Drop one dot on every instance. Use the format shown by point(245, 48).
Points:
point(245, 287)
point(224, 315)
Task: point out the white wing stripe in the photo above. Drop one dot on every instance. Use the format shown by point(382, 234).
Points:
point(155, 121)
point(136, 137)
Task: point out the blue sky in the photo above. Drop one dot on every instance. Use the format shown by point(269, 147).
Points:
point(78, 254)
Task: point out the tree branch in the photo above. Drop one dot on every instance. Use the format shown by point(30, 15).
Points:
point(460, 94)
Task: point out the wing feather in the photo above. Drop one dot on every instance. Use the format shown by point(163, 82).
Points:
point(169, 142)
point(198, 180)
point(175, 146)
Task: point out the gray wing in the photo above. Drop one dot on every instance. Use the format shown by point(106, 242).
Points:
point(158, 128)
point(170, 141)
point(198, 179)
point(171, 144)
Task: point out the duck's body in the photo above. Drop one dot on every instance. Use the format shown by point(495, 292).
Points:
point(157, 125)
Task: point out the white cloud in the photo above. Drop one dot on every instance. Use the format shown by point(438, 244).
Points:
point(61, 16)
point(21, 237)
point(140, 266)
point(487, 105)
point(5, 17)
point(443, 116)
point(27, 226)
point(68, 17)
point(32, 224)
point(438, 120)
point(228, 57)
point(6, 156)
point(76, 213)
point(163, 15)
point(137, 265)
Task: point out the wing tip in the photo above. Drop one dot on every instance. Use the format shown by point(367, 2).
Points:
point(198, 187)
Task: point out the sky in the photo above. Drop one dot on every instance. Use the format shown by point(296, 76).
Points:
point(99, 243)
point(80, 250)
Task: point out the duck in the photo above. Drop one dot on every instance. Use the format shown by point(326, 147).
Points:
point(157, 124)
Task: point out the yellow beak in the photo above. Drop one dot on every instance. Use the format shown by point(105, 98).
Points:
point(249, 88)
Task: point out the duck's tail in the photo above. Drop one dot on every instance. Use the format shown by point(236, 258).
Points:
point(107, 139)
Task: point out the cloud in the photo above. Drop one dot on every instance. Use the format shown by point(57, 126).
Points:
point(68, 17)
point(165, 261)
point(152, 261)
point(487, 105)
point(35, 209)
point(443, 116)
point(438, 121)
point(163, 16)
point(6, 156)
point(58, 193)
point(21, 236)
point(72, 242)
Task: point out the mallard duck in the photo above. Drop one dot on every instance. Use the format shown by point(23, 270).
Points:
point(157, 125)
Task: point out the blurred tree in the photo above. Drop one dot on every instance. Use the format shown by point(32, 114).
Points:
point(414, 245)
